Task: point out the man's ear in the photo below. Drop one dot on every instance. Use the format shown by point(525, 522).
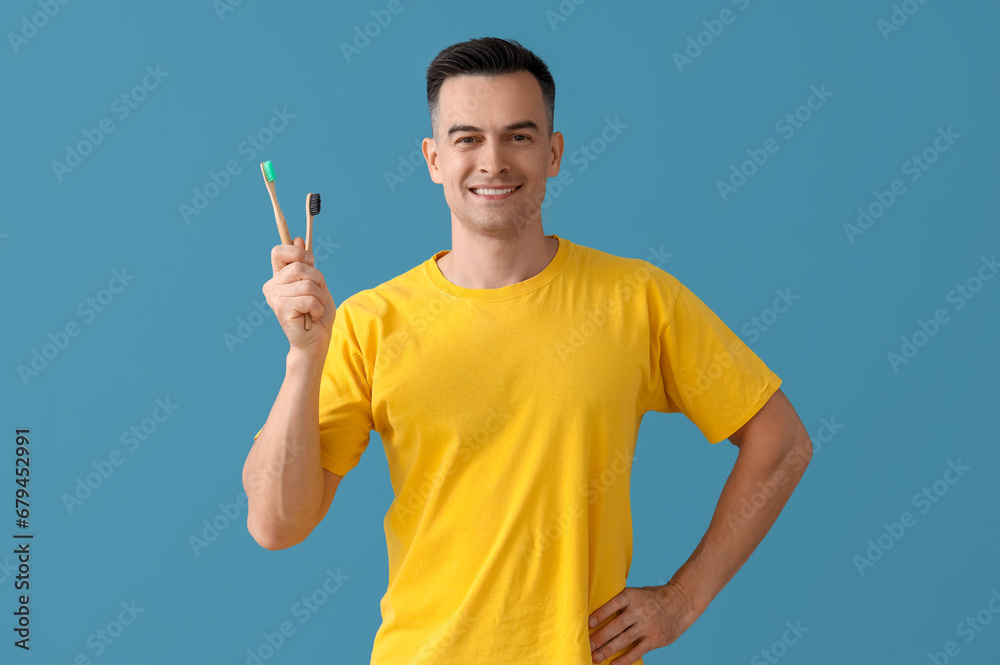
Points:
point(429, 148)
point(556, 148)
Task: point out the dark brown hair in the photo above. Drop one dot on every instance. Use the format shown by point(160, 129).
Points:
point(488, 56)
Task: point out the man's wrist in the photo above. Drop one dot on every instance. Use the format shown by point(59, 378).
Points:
point(692, 597)
point(299, 361)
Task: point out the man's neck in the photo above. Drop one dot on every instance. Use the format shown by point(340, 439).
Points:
point(482, 262)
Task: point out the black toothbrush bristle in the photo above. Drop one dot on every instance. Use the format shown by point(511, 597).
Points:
point(314, 204)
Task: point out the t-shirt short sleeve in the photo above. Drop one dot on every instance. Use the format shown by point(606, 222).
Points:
point(345, 409)
point(701, 367)
point(345, 394)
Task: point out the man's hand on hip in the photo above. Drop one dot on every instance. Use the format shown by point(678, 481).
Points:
point(650, 617)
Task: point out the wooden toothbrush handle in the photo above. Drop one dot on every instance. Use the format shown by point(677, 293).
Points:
point(309, 242)
point(309, 225)
point(279, 218)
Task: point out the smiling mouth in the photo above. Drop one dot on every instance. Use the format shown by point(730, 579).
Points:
point(494, 194)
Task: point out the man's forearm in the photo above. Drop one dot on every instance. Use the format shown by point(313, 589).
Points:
point(283, 474)
point(757, 489)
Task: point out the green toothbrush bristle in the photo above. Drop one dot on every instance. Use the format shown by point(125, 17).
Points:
point(269, 171)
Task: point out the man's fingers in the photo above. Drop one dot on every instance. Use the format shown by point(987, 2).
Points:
point(294, 272)
point(298, 297)
point(302, 304)
point(282, 255)
point(297, 288)
point(606, 610)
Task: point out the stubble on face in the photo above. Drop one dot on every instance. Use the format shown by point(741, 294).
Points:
point(485, 150)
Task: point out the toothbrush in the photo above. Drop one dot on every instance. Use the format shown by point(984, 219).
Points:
point(267, 169)
point(312, 208)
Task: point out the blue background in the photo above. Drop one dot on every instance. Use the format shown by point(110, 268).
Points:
point(164, 335)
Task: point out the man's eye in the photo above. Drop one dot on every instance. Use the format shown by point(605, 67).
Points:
point(463, 139)
point(524, 136)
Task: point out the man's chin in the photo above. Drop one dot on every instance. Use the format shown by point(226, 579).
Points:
point(503, 225)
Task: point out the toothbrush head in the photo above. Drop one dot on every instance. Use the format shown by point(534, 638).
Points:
point(314, 204)
point(268, 169)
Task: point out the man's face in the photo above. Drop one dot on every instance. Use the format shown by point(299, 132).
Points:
point(493, 132)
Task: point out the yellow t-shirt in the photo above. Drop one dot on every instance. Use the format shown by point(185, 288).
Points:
point(509, 419)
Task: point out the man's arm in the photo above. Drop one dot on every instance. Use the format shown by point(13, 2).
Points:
point(288, 490)
point(774, 451)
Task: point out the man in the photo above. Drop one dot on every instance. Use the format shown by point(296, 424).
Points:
point(507, 379)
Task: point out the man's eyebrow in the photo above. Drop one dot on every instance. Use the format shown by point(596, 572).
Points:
point(523, 124)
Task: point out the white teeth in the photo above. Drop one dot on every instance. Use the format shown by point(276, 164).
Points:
point(493, 192)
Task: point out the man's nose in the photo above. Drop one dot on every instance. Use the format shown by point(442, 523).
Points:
point(493, 158)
